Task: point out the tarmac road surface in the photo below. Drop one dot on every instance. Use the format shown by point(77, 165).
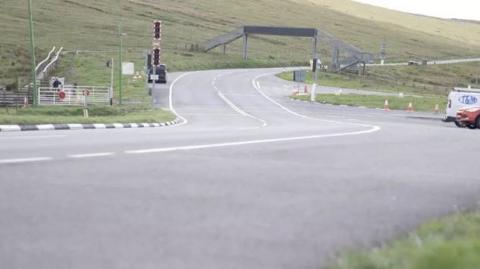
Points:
point(252, 179)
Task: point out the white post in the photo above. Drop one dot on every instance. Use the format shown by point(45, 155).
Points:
point(313, 92)
point(38, 95)
point(315, 78)
point(111, 84)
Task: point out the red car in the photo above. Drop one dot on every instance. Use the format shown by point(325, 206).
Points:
point(468, 117)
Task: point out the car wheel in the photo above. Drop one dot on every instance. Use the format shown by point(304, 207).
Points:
point(472, 126)
point(458, 124)
point(478, 122)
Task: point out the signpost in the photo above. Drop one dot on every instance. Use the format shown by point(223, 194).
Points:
point(32, 51)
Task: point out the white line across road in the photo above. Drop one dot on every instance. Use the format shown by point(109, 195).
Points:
point(250, 142)
point(25, 160)
point(91, 155)
point(31, 137)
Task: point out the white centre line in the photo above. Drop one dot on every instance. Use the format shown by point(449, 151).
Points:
point(232, 105)
point(25, 160)
point(91, 155)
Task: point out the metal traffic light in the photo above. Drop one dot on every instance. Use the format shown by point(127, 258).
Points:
point(156, 57)
point(157, 30)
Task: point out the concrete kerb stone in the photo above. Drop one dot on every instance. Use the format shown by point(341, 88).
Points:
point(50, 127)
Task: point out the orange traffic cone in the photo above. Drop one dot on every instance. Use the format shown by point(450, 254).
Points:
point(386, 106)
point(410, 107)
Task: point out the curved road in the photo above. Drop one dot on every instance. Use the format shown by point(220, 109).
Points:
point(251, 179)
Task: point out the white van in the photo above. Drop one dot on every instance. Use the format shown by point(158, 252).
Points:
point(461, 98)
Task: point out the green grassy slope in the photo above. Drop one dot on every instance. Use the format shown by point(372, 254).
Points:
point(92, 26)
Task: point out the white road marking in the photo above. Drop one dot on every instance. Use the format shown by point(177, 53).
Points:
point(233, 106)
point(31, 137)
point(170, 101)
point(249, 142)
point(90, 155)
point(25, 160)
point(257, 86)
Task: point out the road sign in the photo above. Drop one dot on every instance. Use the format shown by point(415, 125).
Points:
point(299, 75)
point(128, 68)
point(61, 95)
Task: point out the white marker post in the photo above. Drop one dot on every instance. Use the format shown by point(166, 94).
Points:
point(313, 94)
point(86, 93)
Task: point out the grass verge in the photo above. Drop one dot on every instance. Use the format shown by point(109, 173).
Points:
point(436, 80)
point(65, 115)
point(449, 243)
point(426, 104)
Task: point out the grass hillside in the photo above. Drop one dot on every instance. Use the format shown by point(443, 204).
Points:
point(92, 28)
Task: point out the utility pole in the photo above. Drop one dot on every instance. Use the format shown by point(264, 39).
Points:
point(111, 81)
point(120, 60)
point(120, 52)
point(315, 71)
point(315, 78)
point(32, 48)
point(245, 46)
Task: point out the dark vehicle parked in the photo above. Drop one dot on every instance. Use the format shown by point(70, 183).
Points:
point(161, 72)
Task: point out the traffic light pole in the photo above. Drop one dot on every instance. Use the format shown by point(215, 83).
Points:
point(157, 37)
point(313, 95)
point(120, 60)
point(315, 78)
point(120, 54)
point(32, 48)
point(154, 73)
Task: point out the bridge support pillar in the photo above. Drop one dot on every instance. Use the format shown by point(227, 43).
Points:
point(245, 47)
point(315, 45)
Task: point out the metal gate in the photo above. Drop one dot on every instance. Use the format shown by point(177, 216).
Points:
point(75, 96)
